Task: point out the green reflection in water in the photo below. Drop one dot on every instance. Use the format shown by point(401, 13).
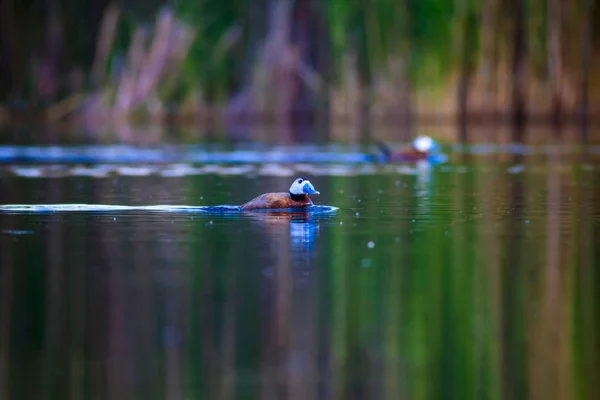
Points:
point(463, 282)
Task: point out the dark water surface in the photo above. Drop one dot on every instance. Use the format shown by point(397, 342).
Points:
point(477, 278)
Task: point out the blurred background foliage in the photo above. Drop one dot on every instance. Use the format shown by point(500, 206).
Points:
point(388, 57)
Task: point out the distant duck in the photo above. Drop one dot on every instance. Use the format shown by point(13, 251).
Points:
point(297, 197)
point(419, 149)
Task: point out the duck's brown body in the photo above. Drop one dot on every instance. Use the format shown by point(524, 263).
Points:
point(277, 200)
point(406, 154)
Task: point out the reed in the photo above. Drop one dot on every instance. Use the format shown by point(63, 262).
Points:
point(367, 60)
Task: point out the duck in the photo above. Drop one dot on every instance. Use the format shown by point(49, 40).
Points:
point(419, 149)
point(296, 197)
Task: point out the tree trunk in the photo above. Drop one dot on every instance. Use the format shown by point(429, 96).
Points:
point(324, 68)
point(518, 83)
point(488, 27)
point(364, 73)
point(586, 46)
point(555, 72)
point(463, 81)
point(9, 51)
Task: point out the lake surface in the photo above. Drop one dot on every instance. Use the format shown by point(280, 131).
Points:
point(475, 278)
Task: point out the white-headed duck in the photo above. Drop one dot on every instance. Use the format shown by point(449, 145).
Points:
point(420, 148)
point(297, 197)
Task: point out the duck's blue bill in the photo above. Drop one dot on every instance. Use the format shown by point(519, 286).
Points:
point(309, 189)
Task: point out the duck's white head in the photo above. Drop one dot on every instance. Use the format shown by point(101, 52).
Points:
point(302, 186)
point(424, 144)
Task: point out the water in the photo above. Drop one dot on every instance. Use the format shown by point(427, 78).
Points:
point(477, 278)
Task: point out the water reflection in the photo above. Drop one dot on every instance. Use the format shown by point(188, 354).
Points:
point(424, 176)
point(463, 282)
point(290, 295)
point(294, 233)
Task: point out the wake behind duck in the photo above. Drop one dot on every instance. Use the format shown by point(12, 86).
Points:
point(297, 200)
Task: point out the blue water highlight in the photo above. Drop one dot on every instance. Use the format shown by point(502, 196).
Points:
point(125, 154)
point(206, 154)
point(131, 154)
point(105, 208)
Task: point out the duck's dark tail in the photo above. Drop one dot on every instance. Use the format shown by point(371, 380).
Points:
point(385, 150)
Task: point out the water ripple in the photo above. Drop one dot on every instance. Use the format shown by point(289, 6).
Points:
point(221, 209)
point(134, 154)
point(184, 169)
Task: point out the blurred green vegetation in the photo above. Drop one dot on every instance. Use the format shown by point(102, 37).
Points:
point(425, 44)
